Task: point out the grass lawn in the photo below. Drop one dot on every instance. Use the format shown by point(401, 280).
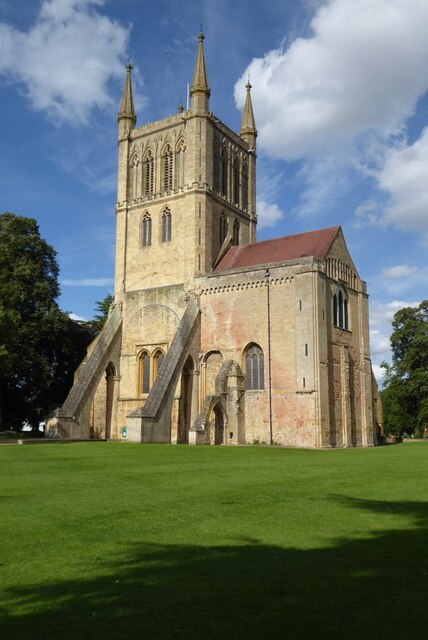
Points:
point(114, 540)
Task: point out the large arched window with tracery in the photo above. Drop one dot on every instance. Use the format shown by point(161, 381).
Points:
point(254, 368)
point(340, 309)
point(148, 173)
point(146, 230)
point(168, 168)
point(166, 225)
point(223, 228)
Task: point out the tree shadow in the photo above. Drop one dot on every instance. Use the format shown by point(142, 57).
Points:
point(367, 588)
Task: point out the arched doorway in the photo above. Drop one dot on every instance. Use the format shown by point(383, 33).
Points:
point(104, 405)
point(219, 427)
point(111, 378)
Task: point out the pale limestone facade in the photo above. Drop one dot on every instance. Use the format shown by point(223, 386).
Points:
point(184, 354)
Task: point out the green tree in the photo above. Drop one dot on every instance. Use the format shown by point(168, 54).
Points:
point(102, 308)
point(40, 345)
point(405, 393)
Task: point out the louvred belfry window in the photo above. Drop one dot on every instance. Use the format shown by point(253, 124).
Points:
point(168, 168)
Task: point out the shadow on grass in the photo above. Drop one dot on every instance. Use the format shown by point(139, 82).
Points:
point(369, 588)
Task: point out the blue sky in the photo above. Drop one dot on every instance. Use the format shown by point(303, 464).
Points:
point(340, 101)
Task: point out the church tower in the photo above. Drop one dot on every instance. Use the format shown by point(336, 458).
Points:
point(186, 190)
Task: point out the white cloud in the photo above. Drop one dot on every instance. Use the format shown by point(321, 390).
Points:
point(378, 372)
point(87, 282)
point(74, 316)
point(363, 70)
point(368, 214)
point(404, 178)
point(399, 271)
point(268, 214)
point(65, 61)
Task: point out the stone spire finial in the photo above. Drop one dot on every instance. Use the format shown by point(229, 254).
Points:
point(127, 115)
point(248, 125)
point(200, 91)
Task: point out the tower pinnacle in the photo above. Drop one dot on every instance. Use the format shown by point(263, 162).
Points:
point(127, 117)
point(248, 125)
point(199, 91)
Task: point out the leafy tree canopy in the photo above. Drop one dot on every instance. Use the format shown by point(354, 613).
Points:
point(405, 393)
point(40, 345)
point(102, 308)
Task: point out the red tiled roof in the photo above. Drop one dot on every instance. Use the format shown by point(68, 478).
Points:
point(311, 243)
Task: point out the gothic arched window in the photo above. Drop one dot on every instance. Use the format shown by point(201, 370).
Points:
point(254, 368)
point(148, 173)
point(340, 309)
point(144, 372)
point(217, 172)
point(166, 225)
point(245, 186)
point(223, 228)
point(158, 358)
point(133, 177)
point(146, 230)
point(223, 172)
point(168, 164)
point(235, 235)
point(236, 181)
point(181, 164)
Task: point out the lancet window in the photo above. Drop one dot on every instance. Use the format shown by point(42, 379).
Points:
point(149, 174)
point(181, 163)
point(146, 230)
point(235, 234)
point(245, 186)
point(223, 172)
point(217, 167)
point(168, 168)
point(254, 368)
point(158, 359)
point(236, 181)
point(148, 369)
point(340, 310)
point(133, 178)
point(223, 228)
point(145, 372)
point(166, 225)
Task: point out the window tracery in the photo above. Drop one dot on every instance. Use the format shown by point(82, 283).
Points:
point(254, 368)
point(146, 230)
point(166, 225)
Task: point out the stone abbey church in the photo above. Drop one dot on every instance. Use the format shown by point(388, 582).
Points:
point(214, 338)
